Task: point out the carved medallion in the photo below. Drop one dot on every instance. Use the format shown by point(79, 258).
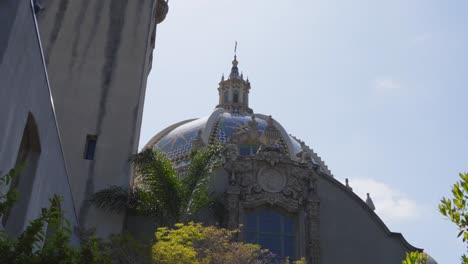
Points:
point(271, 180)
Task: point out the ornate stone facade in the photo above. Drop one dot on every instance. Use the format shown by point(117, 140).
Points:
point(270, 179)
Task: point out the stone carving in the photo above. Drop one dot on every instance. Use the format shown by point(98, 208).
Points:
point(230, 152)
point(305, 157)
point(233, 207)
point(313, 222)
point(270, 155)
point(273, 185)
point(249, 136)
point(271, 135)
point(271, 180)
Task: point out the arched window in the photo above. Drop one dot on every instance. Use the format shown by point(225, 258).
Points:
point(235, 97)
point(272, 229)
point(28, 156)
point(245, 100)
point(226, 93)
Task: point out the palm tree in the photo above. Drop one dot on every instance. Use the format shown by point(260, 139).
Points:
point(159, 191)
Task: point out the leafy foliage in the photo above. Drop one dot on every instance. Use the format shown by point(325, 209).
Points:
point(159, 192)
point(415, 257)
point(456, 208)
point(9, 198)
point(125, 249)
point(47, 238)
point(194, 243)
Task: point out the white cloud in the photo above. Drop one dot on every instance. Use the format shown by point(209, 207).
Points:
point(391, 204)
point(386, 86)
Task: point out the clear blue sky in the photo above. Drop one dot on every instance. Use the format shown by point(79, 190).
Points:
point(377, 88)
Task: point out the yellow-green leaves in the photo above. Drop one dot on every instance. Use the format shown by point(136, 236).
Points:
point(415, 258)
point(194, 243)
point(455, 208)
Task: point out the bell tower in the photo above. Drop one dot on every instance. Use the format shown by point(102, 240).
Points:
point(234, 92)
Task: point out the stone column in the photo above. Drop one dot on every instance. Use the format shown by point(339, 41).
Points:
point(233, 193)
point(313, 223)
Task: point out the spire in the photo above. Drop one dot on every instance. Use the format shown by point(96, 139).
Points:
point(234, 90)
point(234, 70)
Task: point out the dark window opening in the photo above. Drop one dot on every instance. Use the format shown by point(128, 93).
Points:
point(235, 97)
point(27, 159)
point(90, 147)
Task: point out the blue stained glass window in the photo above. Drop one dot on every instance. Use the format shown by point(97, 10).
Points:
point(251, 237)
point(251, 224)
point(273, 230)
point(272, 242)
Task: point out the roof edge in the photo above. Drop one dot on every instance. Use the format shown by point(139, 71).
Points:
point(373, 215)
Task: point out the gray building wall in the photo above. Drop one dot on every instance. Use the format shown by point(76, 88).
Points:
point(24, 92)
point(350, 232)
point(98, 54)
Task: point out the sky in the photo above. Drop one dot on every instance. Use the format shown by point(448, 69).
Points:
point(377, 88)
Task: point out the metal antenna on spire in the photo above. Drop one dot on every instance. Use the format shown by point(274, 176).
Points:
point(235, 49)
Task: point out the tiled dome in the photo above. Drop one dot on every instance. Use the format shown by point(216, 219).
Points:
point(178, 140)
point(232, 122)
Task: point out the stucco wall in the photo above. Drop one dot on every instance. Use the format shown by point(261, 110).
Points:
point(23, 90)
point(98, 55)
point(350, 232)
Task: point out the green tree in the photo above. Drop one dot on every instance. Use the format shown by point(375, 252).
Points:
point(194, 243)
point(415, 257)
point(161, 193)
point(456, 208)
point(36, 244)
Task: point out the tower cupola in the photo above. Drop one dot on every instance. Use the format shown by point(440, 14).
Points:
point(234, 91)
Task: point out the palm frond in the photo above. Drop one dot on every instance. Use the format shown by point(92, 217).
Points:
point(195, 183)
point(159, 179)
point(113, 198)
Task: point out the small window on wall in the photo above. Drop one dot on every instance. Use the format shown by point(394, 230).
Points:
point(235, 97)
point(90, 147)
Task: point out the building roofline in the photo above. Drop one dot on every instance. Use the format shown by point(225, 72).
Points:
point(373, 215)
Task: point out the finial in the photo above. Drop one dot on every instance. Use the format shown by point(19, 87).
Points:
point(235, 50)
point(234, 70)
point(270, 120)
point(222, 77)
point(347, 184)
point(370, 203)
